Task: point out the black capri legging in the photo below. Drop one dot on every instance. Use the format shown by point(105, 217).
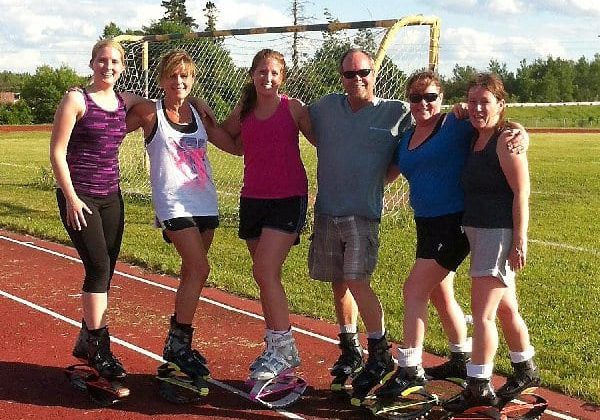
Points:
point(99, 243)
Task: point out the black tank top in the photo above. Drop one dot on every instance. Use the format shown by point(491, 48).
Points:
point(488, 197)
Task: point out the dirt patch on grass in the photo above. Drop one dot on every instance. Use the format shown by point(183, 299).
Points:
point(38, 127)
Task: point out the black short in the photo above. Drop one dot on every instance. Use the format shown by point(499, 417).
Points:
point(442, 239)
point(203, 223)
point(285, 214)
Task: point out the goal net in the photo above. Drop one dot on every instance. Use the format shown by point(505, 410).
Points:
point(400, 47)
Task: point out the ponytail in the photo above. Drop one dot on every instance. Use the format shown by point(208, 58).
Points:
point(248, 99)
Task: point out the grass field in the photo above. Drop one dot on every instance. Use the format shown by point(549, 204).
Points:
point(559, 289)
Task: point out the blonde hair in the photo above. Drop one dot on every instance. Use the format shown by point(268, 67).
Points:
point(108, 43)
point(174, 59)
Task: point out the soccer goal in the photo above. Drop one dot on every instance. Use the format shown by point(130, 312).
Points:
point(400, 47)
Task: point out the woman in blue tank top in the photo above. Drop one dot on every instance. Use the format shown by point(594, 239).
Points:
point(431, 156)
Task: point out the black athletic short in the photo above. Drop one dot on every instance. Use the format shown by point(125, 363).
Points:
point(203, 223)
point(442, 239)
point(285, 214)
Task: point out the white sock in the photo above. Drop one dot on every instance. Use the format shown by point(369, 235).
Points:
point(375, 335)
point(480, 371)
point(412, 356)
point(271, 333)
point(464, 347)
point(521, 356)
point(348, 329)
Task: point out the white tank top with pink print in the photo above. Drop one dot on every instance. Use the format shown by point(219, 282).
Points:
point(180, 172)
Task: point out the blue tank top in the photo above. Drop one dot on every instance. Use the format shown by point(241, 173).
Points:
point(433, 169)
point(93, 149)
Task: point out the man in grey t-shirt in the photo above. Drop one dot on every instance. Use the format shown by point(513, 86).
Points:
point(356, 135)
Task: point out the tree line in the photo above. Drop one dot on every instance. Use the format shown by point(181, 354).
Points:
point(543, 80)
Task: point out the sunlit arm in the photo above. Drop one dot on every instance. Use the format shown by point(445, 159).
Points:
point(516, 171)
point(233, 128)
point(221, 138)
point(300, 113)
point(69, 110)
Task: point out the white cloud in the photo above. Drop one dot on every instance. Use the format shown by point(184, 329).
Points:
point(63, 31)
point(511, 7)
point(471, 47)
point(56, 32)
point(578, 8)
point(242, 14)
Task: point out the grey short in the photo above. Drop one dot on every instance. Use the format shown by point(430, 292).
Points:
point(343, 248)
point(489, 253)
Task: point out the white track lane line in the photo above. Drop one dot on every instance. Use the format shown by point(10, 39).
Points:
point(124, 343)
point(212, 302)
point(135, 348)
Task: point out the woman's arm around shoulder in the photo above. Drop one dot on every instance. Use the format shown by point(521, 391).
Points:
point(299, 112)
point(516, 170)
point(70, 109)
point(517, 139)
point(141, 115)
point(203, 109)
point(219, 135)
point(132, 99)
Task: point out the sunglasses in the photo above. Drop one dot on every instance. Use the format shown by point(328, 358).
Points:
point(415, 98)
point(351, 74)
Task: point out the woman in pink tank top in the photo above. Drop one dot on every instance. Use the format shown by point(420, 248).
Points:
point(273, 197)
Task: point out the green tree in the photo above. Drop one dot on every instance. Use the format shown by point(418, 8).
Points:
point(212, 14)
point(456, 88)
point(11, 82)
point(44, 90)
point(592, 80)
point(162, 27)
point(175, 21)
point(177, 13)
point(508, 78)
point(17, 113)
point(111, 30)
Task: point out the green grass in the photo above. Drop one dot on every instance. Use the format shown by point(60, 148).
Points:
point(556, 116)
point(559, 290)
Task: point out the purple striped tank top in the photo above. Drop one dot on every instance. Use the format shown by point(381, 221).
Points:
point(93, 149)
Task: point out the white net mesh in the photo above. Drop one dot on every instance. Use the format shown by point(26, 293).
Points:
point(312, 72)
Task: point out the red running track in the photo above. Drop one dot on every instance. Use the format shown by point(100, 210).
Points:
point(40, 294)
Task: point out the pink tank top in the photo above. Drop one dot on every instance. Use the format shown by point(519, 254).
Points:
point(272, 164)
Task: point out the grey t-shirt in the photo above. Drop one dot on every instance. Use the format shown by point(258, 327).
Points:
point(354, 150)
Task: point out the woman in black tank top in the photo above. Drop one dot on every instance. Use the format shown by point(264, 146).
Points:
point(496, 184)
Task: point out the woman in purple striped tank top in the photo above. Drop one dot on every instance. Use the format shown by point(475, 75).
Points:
point(89, 126)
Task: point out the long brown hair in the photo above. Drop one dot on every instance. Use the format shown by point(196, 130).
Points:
point(248, 97)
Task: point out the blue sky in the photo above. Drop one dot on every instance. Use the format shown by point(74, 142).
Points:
point(58, 32)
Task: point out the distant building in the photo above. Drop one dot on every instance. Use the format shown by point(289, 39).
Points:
point(9, 97)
